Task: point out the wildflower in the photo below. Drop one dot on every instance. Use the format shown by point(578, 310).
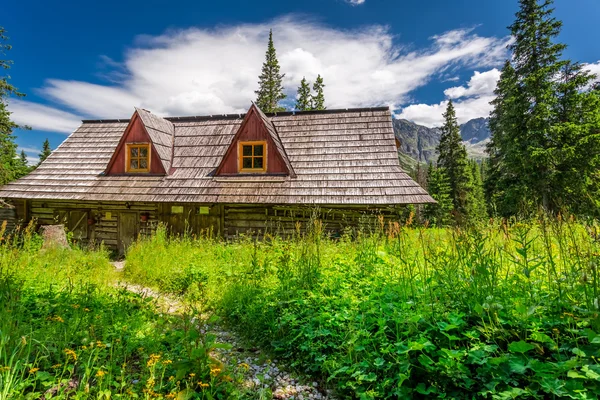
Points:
point(170, 396)
point(86, 309)
point(171, 378)
point(150, 382)
point(203, 385)
point(192, 375)
point(23, 340)
point(56, 318)
point(100, 344)
point(71, 354)
point(167, 362)
point(100, 373)
point(56, 366)
point(153, 359)
point(33, 370)
point(215, 371)
point(245, 366)
point(84, 347)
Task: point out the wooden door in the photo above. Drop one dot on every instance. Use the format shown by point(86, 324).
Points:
point(128, 229)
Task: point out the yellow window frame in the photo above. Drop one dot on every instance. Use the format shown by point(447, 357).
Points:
point(128, 157)
point(241, 156)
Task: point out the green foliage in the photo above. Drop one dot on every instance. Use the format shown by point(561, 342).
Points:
point(465, 188)
point(318, 99)
point(545, 116)
point(46, 151)
point(66, 331)
point(304, 100)
point(500, 311)
point(270, 90)
point(11, 167)
point(438, 186)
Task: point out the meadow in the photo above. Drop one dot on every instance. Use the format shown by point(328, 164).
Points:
point(506, 310)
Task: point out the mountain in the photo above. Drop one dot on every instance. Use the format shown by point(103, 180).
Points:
point(418, 143)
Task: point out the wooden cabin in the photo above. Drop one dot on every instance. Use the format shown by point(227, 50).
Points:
point(112, 180)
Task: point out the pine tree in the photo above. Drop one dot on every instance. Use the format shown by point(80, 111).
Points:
point(318, 99)
point(304, 99)
point(477, 209)
point(438, 186)
point(46, 151)
point(544, 124)
point(9, 162)
point(453, 159)
point(270, 90)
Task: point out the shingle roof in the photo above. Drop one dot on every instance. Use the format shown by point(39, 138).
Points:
point(339, 157)
point(161, 133)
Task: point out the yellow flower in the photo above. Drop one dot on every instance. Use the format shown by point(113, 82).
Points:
point(100, 373)
point(33, 370)
point(215, 371)
point(76, 306)
point(153, 359)
point(171, 378)
point(203, 385)
point(71, 354)
point(86, 309)
point(245, 366)
point(171, 396)
point(192, 375)
point(84, 347)
point(57, 366)
point(100, 344)
point(167, 362)
point(56, 318)
point(23, 340)
point(150, 382)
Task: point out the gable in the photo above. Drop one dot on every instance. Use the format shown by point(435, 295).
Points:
point(256, 129)
point(135, 133)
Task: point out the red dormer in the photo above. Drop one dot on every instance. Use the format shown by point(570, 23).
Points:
point(145, 147)
point(255, 149)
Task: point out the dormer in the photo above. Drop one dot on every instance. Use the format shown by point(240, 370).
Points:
point(145, 147)
point(256, 149)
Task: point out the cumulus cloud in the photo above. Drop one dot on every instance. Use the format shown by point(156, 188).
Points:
point(471, 101)
point(42, 117)
point(355, 2)
point(212, 71)
point(594, 69)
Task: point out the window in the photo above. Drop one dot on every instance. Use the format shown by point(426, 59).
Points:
point(138, 157)
point(253, 156)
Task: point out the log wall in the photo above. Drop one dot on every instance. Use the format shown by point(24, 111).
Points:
point(229, 221)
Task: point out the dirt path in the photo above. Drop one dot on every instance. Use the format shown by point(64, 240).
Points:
point(262, 374)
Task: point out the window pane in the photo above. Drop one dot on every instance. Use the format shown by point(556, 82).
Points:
point(133, 164)
point(143, 163)
point(258, 150)
point(258, 162)
point(143, 152)
point(246, 150)
point(247, 162)
point(134, 151)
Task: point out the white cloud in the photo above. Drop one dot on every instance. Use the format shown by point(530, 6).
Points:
point(212, 71)
point(356, 2)
point(594, 69)
point(471, 101)
point(42, 117)
point(479, 84)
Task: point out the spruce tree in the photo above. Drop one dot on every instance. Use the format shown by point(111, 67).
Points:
point(46, 151)
point(544, 124)
point(438, 186)
point(453, 160)
point(270, 89)
point(304, 98)
point(9, 162)
point(477, 209)
point(318, 99)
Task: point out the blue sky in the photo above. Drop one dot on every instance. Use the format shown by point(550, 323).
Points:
point(81, 60)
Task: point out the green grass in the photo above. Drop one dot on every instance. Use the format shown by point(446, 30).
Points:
point(66, 331)
point(501, 311)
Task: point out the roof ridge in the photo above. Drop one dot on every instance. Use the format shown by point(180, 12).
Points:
point(241, 115)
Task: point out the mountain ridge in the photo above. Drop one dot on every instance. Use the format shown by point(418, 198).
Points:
point(419, 142)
